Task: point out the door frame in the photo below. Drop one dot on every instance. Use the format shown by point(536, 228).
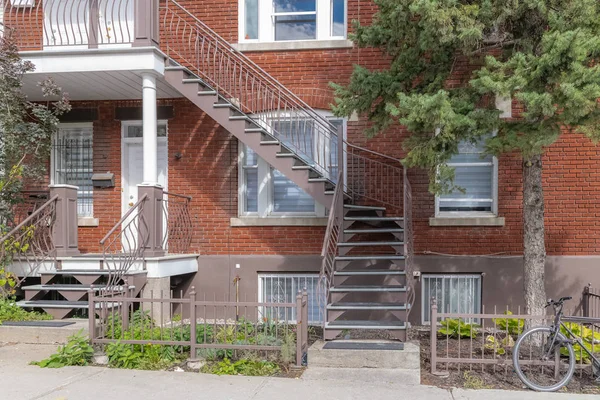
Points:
point(125, 141)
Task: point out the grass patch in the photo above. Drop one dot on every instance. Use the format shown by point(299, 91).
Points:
point(244, 366)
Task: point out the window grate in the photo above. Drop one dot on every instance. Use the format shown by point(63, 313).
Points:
point(283, 288)
point(453, 293)
point(73, 165)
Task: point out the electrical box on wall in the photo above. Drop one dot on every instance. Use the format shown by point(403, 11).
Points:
point(105, 180)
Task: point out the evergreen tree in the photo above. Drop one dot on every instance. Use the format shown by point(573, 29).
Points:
point(541, 53)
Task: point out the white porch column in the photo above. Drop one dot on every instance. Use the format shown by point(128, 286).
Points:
point(149, 129)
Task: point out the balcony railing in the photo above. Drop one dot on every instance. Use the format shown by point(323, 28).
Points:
point(44, 24)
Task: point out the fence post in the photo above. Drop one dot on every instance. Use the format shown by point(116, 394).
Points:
point(299, 329)
point(125, 312)
point(193, 324)
point(304, 322)
point(433, 335)
point(586, 301)
point(91, 316)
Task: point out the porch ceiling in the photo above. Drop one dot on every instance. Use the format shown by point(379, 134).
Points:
point(97, 85)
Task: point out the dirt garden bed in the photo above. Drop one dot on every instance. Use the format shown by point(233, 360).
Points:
point(476, 376)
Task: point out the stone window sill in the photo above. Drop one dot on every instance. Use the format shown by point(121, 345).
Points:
point(88, 221)
point(296, 45)
point(466, 221)
point(278, 221)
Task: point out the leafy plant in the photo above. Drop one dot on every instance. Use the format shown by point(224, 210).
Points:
point(456, 328)
point(499, 346)
point(10, 311)
point(589, 337)
point(242, 367)
point(513, 326)
point(122, 355)
point(77, 351)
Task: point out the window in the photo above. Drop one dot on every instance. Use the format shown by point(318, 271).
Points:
point(72, 163)
point(292, 20)
point(453, 293)
point(283, 288)
point(266, 192)
point(477, 174)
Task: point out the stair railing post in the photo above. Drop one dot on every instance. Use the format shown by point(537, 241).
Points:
point(193, 323)
point(125, 313)
point(304, 322)
point(64, 232)
point(145, 23)
point(586, 301)
point(91, 316)
point(340, 162)
point(299, 329)
point(433, 335)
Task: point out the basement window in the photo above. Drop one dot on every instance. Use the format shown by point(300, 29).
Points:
point(283, 288)
point(454, 294)
point(291, 20)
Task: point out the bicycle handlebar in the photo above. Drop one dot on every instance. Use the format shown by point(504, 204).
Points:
point(559, 302)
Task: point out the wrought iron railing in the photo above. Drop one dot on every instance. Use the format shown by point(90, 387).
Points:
point(177, 238)
point(124, 245)
point(234, 76)
point(591, 302)
point(25, 204)
point(330, 245)
point(88, 23)
point(30, 244)
point(373, 177)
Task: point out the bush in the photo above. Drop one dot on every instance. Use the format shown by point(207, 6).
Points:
point(244, 366)
point(455, 328)
point(589, 337)
point(10, 311)
point(513, 326)
point(77, 351)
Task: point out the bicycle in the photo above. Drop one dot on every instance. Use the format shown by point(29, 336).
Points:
point(543, 357)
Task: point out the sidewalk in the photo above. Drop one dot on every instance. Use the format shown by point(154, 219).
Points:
point(21, 381)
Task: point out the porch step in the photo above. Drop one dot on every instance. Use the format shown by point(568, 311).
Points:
point(70, 272)
point(373, 230)
point(70, 287)
point(362, 244)
point(353, 324)
point(53, 304)
point(368, 258)
point(374, 219)
point(359, 288)
point(207, 93)
point(367, 306)
point(367, 272)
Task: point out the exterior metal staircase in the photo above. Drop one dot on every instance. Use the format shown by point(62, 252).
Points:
point(367, 254)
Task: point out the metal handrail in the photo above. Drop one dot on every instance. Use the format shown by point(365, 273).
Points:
point(124, 218)
point(29, 218)
point(179, 229)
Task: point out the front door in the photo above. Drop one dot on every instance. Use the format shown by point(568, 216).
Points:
point(133, 162)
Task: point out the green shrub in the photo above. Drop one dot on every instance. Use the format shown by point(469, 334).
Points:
point(589, 337)
point(242, 367)
point(455, 328)
point(499, 346)
point(10, 311)
point(513, 326)
point(77, 351)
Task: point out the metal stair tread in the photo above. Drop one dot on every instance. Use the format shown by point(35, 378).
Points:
point(87, 272)
point(207, 93)
point(372, 288)
point(375, 219)
point(358, 207)
point(60, 304)
point(374, 230)
point(360, 272)
point(366, 306)
point(384, 243)
point(357, 324)
point(69, 287)
point(370, 257)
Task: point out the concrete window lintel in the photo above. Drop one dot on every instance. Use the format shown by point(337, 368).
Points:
point(466, 221)
point(295, 45)
point(287, 221)
point(88, 221)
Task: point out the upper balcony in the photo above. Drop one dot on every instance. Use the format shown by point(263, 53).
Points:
point(93, 49)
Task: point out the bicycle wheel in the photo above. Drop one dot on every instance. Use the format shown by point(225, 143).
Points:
point(539, 369)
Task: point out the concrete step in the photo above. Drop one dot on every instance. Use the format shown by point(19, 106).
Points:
point(369, 376)
point(43, 335)
point(360, 360)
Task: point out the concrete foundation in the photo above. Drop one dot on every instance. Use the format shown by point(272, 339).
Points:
point(157, 288)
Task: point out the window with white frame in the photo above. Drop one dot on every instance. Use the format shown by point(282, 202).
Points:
point(291, 20)
point(477, 173)
point(266, 192)
point(283, 288)
point(453, 294)
point(72, 163)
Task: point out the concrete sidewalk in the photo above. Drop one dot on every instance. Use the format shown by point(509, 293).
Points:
point(21, 381)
